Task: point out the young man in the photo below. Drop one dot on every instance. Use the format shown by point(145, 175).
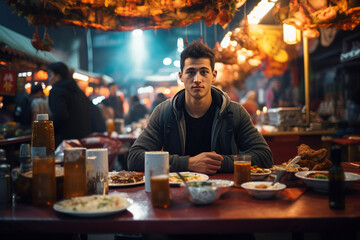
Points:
point(200, 127)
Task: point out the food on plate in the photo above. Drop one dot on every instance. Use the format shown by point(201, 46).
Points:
point(318, 175)
point(313, 159)
point(263, 186)
point(94, 203)
point(256, 169)
point(174, 178)
point(126, 177)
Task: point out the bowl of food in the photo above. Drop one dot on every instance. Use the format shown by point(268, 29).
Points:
point(203, 192)
point(289, 172)
point(259, 173)
point(319, 180)
point(223, 185)
point(263, 189)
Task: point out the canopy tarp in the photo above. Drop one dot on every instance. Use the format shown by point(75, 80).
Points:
point(17, 44)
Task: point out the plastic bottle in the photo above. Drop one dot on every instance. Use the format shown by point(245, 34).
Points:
point(42, 137)
point(336, 180)
point(43, 158)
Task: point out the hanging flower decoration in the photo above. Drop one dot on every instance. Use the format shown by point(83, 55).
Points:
point(310, 15)
point(124, 15)
point(45, 44)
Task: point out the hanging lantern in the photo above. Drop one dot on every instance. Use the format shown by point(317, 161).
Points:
point(291, 34)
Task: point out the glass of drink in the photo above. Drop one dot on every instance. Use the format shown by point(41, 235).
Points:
point(119, 125)
point(43, 182)
point(75, 179)
point(242, 164)
point(97, 165)
point(110, 126)
point(160, 187)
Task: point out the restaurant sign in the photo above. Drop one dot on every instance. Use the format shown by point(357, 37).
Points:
point(7, 82)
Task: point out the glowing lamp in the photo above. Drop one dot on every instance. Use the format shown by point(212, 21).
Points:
point(291, 34)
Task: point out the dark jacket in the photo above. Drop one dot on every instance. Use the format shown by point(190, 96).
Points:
point(70, 111)
point(232, 132)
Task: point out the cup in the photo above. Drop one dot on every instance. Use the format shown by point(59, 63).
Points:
point(97, 168)
point(43, 181)
point(159, 162)
point(242, 165)
point(110, 126)
point(160, 187)
point(75, 172)
point(119, 125)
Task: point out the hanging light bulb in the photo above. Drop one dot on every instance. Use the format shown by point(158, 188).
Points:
point(291, 34)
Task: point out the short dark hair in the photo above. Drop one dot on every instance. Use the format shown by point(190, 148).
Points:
point(61, 69)
point(36, 88)
point(111, 84)
point(197, 49)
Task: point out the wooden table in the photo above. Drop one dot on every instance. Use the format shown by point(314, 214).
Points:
point(234, 212)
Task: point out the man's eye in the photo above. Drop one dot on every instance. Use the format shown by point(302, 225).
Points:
point(204, 72)
point(191, 73)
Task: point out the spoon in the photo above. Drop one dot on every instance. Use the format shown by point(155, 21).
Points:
point(295, 160)
point(183, 179)
point(279, 174)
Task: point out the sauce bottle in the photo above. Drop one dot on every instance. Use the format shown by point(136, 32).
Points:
point(336, 180)
point(42, 137)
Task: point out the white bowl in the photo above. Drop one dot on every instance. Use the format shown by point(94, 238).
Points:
point(263, 193)
point(224, 185)
point(260, 176)
point(322, 185)
point(203, 192)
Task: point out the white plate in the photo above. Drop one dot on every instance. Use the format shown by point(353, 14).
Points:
point(190, 176)
point(260, 176)
point(322, 185)
point(260, 192)
point(111, 184)
point(59, 206)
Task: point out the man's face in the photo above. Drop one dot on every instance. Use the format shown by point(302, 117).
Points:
point(197, 77)
point(52, 77)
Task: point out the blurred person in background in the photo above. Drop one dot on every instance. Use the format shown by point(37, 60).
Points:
point(137, 110)
point(114, 101)
point(7, 109)
point(70, 107)
point(160, 97)
point(39, 104)
point(200, 126)
point(272, 95)
point(250, 104)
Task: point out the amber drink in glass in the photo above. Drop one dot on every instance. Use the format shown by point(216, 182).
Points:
point(43, 182)
point(75, 179)
point(242, 164)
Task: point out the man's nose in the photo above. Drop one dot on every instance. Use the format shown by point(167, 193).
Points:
point(197, 77)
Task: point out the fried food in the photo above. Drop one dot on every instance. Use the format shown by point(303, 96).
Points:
point(126, 177)
point(313, 159)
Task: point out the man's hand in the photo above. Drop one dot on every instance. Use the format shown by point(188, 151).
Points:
point(206, 162)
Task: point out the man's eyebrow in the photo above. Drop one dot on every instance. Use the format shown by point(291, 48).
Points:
point(201, 68)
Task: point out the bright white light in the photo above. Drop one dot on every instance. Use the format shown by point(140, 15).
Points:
point(29, 73)
point(180, 49)
point(233, 43)
point(241, 58)
point(80, 76)
point(226, 40)
point(98, 100)
point(180, 42)
point(260, 11)
point(137, 33)
point(167, 61)
point(167, 91)
point(177, 63)
point(27, 85)
point(148, 89)
point(138, 50)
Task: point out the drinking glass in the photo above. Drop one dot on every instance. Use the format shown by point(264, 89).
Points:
point(43, 181)
point(97, 166)
point(74, 172)
point(160, 187)
point(242, 164)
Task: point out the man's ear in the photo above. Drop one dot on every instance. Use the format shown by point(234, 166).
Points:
point(180, 76)
point(214, 76)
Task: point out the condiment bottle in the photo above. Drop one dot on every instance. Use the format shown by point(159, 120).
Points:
point(336, 180)
point(42, 137)
point(25, 158)
point(43, 158)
